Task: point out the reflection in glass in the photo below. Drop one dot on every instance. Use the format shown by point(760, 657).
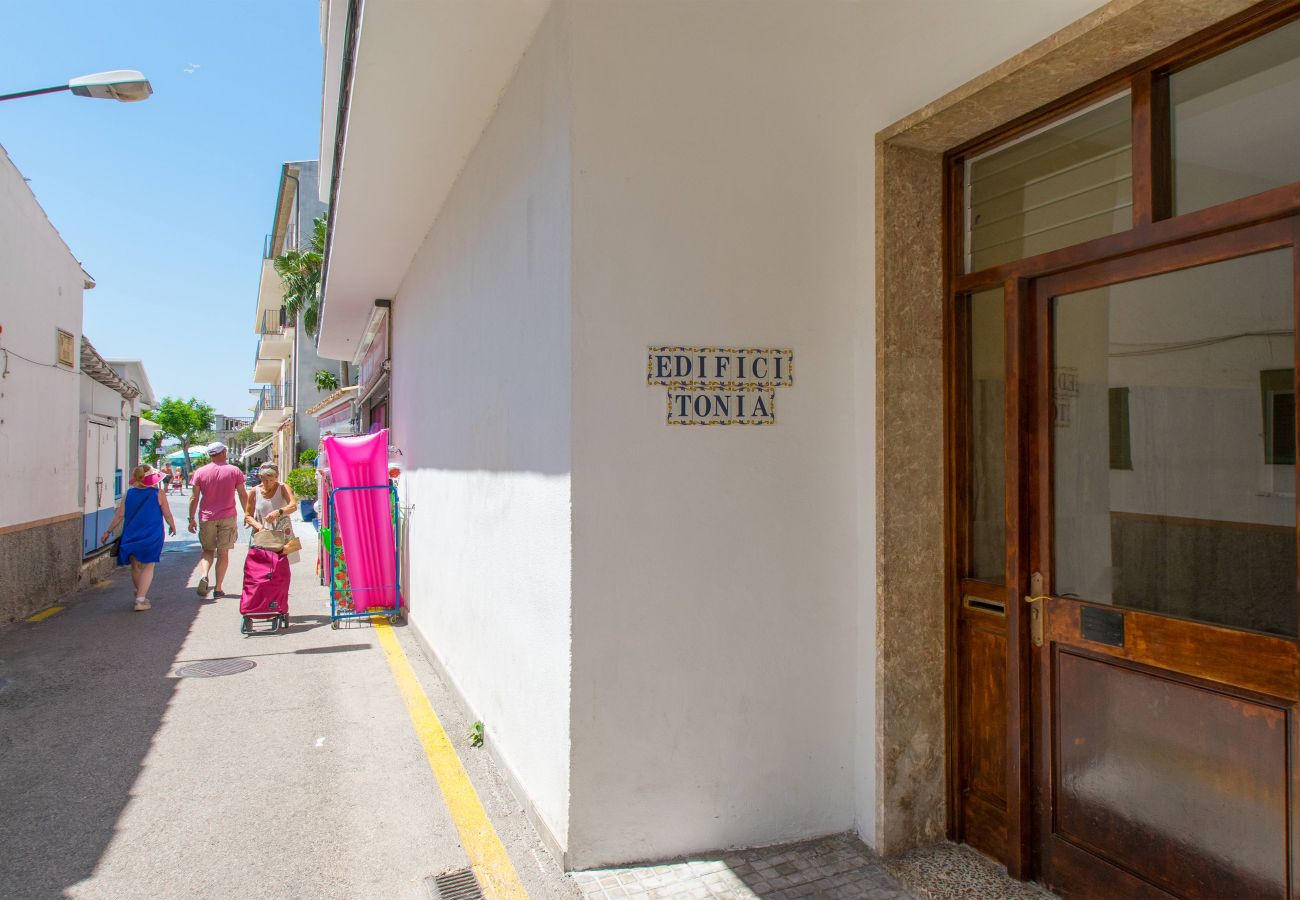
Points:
point(1235, 128)
point(988, 525)
point(1202, 523)
point(1064, 184)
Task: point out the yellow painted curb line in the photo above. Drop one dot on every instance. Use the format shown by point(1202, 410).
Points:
point(496, 874)
point(45, 614)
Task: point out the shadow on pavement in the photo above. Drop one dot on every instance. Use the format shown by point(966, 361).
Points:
point(84, 694)
point(305, 651)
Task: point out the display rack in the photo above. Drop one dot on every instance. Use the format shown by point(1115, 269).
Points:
point(342, 594)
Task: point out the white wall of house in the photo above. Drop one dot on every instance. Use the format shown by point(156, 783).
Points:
point(41, 288)
point(717, 159)
point(724, 583)
point(480, 406)
point(681, 172)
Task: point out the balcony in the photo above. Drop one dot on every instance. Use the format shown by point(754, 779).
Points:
point(272, 407)
point(266, 371)
point(270, 289)
point(274, 342)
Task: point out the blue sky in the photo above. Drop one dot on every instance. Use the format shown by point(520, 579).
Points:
point(166, 202)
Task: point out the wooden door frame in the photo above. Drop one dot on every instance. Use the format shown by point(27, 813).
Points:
point(1274, 674)
point(913, 598)
point(1222, 229)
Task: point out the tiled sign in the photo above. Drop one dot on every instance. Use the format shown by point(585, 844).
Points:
point(720, 385)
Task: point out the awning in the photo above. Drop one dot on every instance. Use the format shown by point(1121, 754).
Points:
point(258, 447)
point(179, 455)
point(148, 429)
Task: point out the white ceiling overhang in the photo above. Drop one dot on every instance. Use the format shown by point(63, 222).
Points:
point(426, 79)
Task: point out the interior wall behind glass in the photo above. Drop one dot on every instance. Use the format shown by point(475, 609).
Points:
point(1068, 183)
point(1236, 121)
point(987, 468)
point(1202, 525)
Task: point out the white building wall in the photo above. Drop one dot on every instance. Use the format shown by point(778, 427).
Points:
point(41, 287)
point(716, 160)
point(480, 406)
point(724, 584)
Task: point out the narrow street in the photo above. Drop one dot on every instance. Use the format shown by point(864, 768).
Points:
point(301, 776)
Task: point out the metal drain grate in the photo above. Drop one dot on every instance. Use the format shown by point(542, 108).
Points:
point(212, 668)
point(459, 884)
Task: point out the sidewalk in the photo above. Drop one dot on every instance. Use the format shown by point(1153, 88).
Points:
point(299, 777)
point(302, 775)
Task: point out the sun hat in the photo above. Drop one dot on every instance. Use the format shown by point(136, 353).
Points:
point(152, 477)
point(215, 447)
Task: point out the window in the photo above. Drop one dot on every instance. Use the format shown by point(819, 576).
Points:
point(1069, 182)
point(1121, 448)
point(1235, 132)
point(1277, 391)
point(988, 525)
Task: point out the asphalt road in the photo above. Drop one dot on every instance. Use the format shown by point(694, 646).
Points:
point(300, 777)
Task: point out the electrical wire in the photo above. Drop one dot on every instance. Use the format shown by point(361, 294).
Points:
point(7, 352)
point(1204, 342)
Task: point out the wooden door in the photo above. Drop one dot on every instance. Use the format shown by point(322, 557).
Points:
point(98, 486)
point(1162, 498)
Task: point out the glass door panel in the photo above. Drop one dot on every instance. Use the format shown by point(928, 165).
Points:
point(1173, 431)
point(1164, 616)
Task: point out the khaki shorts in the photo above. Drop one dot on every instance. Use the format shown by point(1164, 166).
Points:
point(217, 534)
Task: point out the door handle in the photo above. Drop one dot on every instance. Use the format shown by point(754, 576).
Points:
point(1036, 618)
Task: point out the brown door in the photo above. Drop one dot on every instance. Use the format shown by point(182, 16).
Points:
point(1161, 457)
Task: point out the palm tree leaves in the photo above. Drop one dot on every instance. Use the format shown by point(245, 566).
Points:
point(300, 272)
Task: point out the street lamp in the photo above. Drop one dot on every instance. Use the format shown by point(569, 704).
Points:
point(126, 85)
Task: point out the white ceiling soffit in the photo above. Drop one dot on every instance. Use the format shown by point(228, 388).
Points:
point(426, 81)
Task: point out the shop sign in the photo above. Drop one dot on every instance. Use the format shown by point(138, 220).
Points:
point(372, 364)
point(335, 416)
point(720, 385)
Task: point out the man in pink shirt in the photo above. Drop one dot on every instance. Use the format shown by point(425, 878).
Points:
point(213, 490)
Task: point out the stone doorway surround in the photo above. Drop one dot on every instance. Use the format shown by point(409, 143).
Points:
point(912, 791)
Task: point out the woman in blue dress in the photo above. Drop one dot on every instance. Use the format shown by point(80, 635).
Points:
point(144, 508)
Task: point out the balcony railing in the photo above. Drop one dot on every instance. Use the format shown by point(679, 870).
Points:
point(273, 321)
point(272, 397)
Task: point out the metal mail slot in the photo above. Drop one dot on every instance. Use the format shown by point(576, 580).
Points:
point(997, 607)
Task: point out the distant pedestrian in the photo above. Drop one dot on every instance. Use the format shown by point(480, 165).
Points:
point(213, 489)
point(144, 507)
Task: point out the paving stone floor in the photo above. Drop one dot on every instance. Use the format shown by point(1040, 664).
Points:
point(840, 866)
point(956, 872)
point(837, 866)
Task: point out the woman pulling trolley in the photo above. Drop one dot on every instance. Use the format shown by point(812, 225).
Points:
point(273, 548)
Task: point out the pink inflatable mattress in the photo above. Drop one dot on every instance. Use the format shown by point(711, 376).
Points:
point(365, 518)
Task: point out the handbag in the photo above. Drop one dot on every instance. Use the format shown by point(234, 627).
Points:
point(115, 545)
point(269, 539)
point(277, 539)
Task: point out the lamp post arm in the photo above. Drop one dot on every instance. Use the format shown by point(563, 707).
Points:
point(48, 90)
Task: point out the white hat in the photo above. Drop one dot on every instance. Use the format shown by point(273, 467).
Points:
point(216, 447)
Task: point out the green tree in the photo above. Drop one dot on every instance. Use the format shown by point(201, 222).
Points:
point(188, 421)
point(326, 380)
point(300, 271)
